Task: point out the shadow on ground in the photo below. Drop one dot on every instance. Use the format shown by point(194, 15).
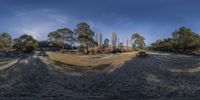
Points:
point(158, 76)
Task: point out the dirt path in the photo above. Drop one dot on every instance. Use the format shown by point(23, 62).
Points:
point(158, 76)
point(7, 62)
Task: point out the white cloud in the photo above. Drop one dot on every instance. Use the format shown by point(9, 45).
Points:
point(39, 23)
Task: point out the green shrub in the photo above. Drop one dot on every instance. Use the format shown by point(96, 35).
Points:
point(25, 43)
point(31, 47)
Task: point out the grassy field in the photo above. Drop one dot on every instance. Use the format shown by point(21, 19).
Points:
point(91, 60)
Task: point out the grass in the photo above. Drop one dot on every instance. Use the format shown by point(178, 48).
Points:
point(96, 61)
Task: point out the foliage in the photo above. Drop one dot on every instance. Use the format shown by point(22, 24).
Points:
point(85, 35)
point(106, 42)
point(183, 41)
point(55, 38)
point(81, 48)
point(114, 40)
point(5, 41)
point(62, 36)
point(42, 44)
point(138, 41)
point(25, 43)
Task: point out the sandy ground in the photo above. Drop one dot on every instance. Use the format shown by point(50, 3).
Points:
point(158, 76)
point(90, 61)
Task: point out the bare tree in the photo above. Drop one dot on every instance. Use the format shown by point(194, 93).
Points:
point(100, 41)
point(114, 40)
point(118, 41)
point(97, 37)
point(127, 43)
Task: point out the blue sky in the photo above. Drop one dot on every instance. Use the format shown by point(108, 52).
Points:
point(154, 19)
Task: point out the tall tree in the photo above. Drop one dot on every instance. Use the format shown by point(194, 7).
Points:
point(55, 39)
point(62, 36)
point(138, 41)
point(100, 42)
point(118, 41)
point(184, 38)
point(85, 35)
point(121, 46)
point(97, 37)
point(6, 41)
point(127, 43)
point(114, 40)
point(101, 39)
point(106, 42)
point(183, 41)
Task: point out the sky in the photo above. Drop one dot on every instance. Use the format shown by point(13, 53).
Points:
point(153, 19)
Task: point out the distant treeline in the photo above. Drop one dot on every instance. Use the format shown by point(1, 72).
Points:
point(82, 37)
point(183, 40)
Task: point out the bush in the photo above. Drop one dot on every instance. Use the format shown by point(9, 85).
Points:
point(25, 43)
point(31, 47)
point(81, 48)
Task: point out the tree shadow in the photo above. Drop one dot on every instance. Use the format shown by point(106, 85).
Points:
point(138, 78)
point(150, 77)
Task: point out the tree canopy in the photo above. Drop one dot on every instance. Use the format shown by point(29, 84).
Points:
point(85, 35)
point(183, 41)
point(62, 36)
point(25, 43)
point(106, 42)
point(138, 41)
point(5, 41)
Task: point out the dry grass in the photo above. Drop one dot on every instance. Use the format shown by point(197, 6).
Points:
point(91, 60)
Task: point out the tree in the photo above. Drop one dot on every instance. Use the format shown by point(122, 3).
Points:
point(106, 45)
point(85, 35)
point(138, 41)
point(100, 42)
point(43, 44)
point(121, 46)
point(97, 37)
point(5, 41)
point(54, 39)
point(62, 36)
point(114, 40)
point(184, 39)
point(118, 41)
point(163, 45)
point(127, 43)
point(106, 42)
point(25, 43)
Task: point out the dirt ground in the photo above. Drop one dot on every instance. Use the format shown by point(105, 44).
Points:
point(90, 61)
point(159, 76)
